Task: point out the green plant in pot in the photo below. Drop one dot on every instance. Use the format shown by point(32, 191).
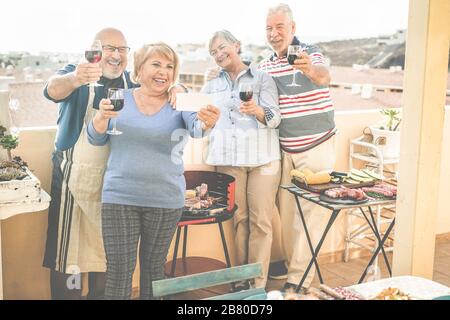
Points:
point(10, 169)
point(393, 116)
point(9, 142)
point(387, 135)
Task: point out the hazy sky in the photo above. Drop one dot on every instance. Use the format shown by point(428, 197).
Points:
point(67, 25)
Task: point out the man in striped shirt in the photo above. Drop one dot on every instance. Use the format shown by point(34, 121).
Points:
point(306, 133)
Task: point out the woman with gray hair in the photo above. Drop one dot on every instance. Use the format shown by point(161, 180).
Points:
point(144, 185)
point(244, 144)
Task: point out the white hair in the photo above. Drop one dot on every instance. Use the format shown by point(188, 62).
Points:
point(282, 8)
point(226, 35)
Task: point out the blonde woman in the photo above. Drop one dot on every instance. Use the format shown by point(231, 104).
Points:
point(143, 191)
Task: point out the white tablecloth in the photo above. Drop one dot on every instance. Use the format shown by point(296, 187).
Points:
point(416, 287)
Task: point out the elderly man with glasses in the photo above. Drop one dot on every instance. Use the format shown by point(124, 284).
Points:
point(74, 239)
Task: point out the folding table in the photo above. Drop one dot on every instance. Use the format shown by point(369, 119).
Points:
point(336, 209)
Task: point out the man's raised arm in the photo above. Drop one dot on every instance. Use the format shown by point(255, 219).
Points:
point(60, 86)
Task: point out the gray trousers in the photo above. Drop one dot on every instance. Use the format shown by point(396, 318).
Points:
point(122, 227)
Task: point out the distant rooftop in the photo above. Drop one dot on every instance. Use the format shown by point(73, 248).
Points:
point(196, 67)
point(34, 110)
point(372, 76)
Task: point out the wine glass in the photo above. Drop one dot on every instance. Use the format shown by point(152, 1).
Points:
point(246, 95)
point(14, 104)
point(293, 52)
point(117, 100)
point(93, 54)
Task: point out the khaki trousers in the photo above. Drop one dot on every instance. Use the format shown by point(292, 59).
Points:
point(255, 194)
point(295, 243)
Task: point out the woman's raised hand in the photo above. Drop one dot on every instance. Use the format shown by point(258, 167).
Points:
point(209, 116)
point(105, 110)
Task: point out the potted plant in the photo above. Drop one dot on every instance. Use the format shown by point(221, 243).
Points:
point(10, 169)
point(17, 183)
point(387, 135)
point(8, 142)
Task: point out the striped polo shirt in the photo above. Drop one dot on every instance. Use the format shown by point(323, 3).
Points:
point(307, 112)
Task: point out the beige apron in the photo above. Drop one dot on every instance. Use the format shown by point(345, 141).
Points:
point(80, 240)
point(88, 166)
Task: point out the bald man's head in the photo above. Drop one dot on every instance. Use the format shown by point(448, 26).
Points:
point(115, 52)
point(104, 34)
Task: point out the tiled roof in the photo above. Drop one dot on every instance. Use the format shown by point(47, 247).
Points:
point(382, 77)
point(35, 74)
point(372, 76)
point(344, 100)
point(34, 109)
point(196, 67)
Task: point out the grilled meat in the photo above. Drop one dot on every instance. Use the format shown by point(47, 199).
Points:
point(381, 191)
point(345, 193)
point(202, 191)
point(197, 203)
point(378, 191)
point(201, 200)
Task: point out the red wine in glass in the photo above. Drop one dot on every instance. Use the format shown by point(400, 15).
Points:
point(246, 96)
point(117, 103)
point(292, 58)
point(115, 95)
point(293, 53)
point(93, 56)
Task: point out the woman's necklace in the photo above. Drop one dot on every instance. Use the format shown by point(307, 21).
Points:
point(149, 104)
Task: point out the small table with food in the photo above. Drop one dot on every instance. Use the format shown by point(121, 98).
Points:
point(341, 191)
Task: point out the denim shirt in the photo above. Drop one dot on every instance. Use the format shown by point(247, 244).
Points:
point(237, 139)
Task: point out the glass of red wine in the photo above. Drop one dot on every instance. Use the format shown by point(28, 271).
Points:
point(115, 95)
point(93, 54)
point(246, 95)
point(293, 54)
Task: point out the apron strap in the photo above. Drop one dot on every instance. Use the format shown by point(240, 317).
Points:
point(90, 106)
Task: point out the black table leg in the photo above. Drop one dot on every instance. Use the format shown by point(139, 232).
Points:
point(374, 228)
point(380, 246)
point(225, 251)
point(315, 252)
point(185, 241)
point(175, 252)
point(224, 244)
point(378, 235)
point(184, 248)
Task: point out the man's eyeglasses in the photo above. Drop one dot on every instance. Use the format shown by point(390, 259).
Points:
point(112, 49)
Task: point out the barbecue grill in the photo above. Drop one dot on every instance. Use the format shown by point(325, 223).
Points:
point(220, 186)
